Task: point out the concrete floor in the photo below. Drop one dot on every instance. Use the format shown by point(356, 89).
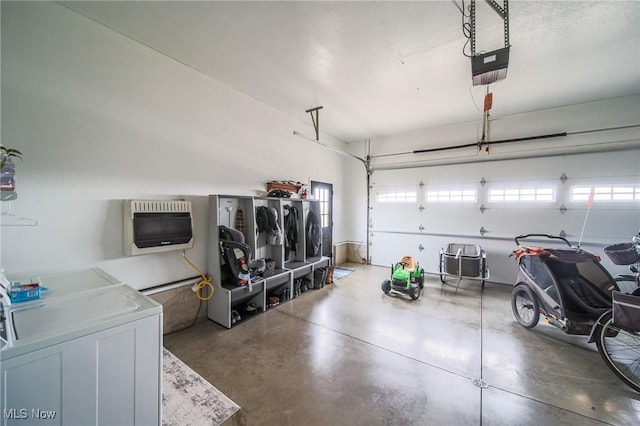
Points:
point(350, 355)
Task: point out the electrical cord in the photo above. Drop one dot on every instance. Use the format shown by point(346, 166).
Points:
point(466, 26)
point(204, 282)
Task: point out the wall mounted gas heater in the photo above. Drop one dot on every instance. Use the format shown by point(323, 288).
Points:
point(152, 226)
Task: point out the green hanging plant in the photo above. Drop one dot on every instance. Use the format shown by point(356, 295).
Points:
point(8, 153)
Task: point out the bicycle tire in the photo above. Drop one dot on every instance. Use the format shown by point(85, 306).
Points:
point(620, 350)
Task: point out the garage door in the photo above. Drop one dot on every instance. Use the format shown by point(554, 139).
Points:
point(419, 211)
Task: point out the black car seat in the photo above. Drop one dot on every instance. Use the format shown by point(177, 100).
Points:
point(236, 255)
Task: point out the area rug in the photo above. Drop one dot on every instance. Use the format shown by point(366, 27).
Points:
point(339, 272)
point(188, 399)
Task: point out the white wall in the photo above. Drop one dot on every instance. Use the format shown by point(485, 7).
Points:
point(101, 118)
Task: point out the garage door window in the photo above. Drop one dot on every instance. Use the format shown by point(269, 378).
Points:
point(606, 193)
point(397, 197)
point(521, 194)
point(454, 195)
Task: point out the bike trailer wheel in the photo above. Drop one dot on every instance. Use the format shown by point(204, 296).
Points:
point(525, 306)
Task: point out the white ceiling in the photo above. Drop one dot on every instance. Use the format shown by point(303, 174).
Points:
point(381, 68)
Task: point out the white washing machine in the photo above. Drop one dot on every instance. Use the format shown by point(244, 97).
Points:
point(88, 352)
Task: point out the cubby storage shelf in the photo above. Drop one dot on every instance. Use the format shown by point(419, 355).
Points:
point(320, 262)
point(224, 211)
point(299, 268)
point(228, 298)
point(282, 276)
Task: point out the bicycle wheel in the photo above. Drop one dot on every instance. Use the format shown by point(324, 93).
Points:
point(620, 350)
point(525, 306)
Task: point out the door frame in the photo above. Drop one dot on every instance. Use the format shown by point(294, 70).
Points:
point(326, 215)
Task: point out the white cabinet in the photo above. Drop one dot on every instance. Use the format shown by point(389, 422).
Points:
point(239, 212)
point(86, 365)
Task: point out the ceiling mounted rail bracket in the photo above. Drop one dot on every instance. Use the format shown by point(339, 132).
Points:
point(316, 120)
point(502, 11)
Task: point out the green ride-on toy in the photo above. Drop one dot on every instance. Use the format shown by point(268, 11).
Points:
point(406, 277)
